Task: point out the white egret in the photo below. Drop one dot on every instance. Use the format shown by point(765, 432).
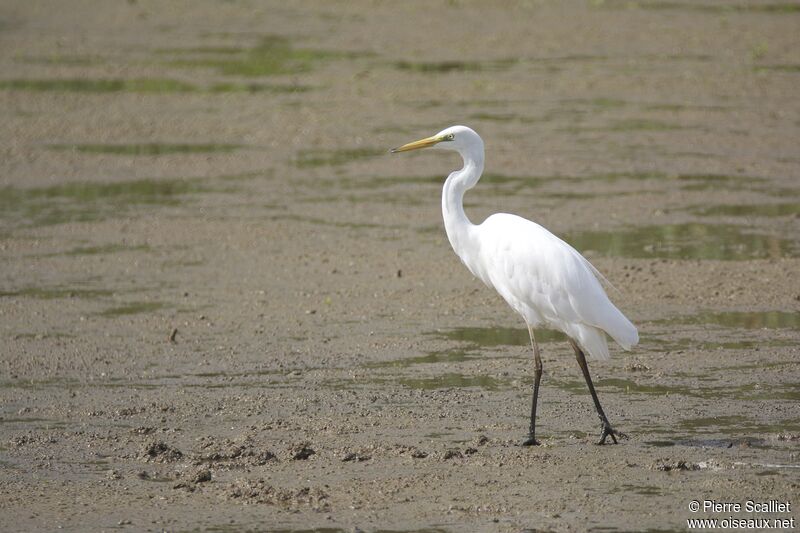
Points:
point(542, 278)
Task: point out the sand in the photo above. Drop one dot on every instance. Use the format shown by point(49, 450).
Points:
point(225, 307)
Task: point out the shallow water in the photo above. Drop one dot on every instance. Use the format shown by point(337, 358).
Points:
point(441, 356)
point(685, 241)
point(491, 336)
point(743, 319)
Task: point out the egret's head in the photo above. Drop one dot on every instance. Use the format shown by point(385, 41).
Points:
point(457, 138)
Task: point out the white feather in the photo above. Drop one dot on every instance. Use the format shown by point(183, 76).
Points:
point(548, 282)
point(541, 277)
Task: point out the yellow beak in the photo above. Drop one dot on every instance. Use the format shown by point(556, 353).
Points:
point(416, 145)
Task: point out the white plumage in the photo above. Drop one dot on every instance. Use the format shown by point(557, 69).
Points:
point(548, 282)
point(542, 278)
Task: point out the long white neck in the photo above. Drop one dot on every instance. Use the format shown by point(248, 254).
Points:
point(458, 227)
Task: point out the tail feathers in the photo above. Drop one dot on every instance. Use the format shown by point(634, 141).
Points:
point(593, 342)
point(612, 321)
point(624, 332)
point(610, 318)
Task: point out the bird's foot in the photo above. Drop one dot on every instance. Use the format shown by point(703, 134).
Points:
point(608, 431)
point(531, 441)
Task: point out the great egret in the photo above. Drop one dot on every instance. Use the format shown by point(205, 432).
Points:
point(542, 278)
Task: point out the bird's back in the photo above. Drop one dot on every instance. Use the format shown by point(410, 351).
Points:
point(546, 281)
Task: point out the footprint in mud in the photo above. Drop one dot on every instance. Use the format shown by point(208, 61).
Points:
point(160, 452)
point(301, 451)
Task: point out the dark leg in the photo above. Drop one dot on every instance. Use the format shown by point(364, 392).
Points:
point(608, 431)
point(537, 376)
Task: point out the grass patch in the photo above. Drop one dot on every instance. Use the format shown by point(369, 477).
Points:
point(144, 85)
point(601, 103)
point(227, 87)
point(316, 158)
point(132, 308)
point(55, 293)
point(106, 249)
point(150, 149)
point(751, 210)
point(273, 55)
point(58, 59)
point(83, 201)
point(441, 67)
point(140, 85)
point(730, 7)
point(643, 125)
point(629, 125)
point(778, 68)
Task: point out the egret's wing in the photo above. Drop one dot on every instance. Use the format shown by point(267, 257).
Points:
point(529, 266)
point(599, 275)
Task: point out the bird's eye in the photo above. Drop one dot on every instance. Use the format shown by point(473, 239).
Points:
point(451, 136)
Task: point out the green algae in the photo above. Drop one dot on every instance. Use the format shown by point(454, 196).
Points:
point(273, 55)
point(87, 201)
point(684, 241)
point(140, 85)
point(132, 308)
point(147, 149)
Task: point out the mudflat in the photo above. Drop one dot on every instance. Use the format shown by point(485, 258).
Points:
point(225, 307)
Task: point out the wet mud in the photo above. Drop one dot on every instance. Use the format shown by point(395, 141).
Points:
point(225, 307)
